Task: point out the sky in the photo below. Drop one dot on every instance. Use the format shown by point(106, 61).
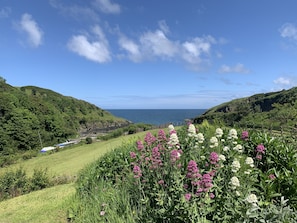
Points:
point(150, 54)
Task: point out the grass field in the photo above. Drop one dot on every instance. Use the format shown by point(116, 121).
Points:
point(50, 205)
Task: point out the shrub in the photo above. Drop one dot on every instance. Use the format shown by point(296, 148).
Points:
point(89, 140)
point(199, 175)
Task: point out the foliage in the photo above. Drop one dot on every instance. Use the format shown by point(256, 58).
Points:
point(210, 175)
point(32, 117)
point(89, 140)
point(274, 110)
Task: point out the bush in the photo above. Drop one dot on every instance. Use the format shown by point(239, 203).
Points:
point(218, 175)
point(89, 140)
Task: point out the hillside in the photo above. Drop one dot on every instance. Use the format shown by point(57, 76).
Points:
point(31, 117)
point(274, 110)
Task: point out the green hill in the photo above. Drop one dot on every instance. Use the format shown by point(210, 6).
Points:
point(31, 117)
point(274, 110)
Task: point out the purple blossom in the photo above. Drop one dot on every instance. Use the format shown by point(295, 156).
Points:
point(132, 155)
point(140, 146)
point(271, 176)
point(245, 135)
point(193, 171)
point(175, 155)
point(260, 149)
point(214, 157)
point(161, 182)
point(259, 157)
point(162, 135)
point(149, 138)
point(156, 158)
point(188, 196)
point(137, 171)
point(211, 195)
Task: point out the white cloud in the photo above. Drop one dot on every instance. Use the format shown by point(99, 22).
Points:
point(286, 82)
point(31, 28)
point(194, 49)
point(289, 30)
point(238, 68)
point(156, 44)
point(107, 6)
point(131, 47)
point(97, 50)
point(4, 12)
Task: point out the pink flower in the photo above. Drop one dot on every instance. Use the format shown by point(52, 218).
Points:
point(271, 176)
point(188, 196)
point(137, 171)
point(259, 157)
point(245, 135)
point(211, 195)
point(193, 171)
point(140, 146)
point(149, 138)
point(260, 149)
point(162, 135)
point(214, 158)
point(161, 182)
point(102, 213)
point(132, 155)
point(175, 155)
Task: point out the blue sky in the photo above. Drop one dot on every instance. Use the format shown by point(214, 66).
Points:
point(150, 54)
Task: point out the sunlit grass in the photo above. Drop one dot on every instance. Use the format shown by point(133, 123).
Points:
point(46, 206)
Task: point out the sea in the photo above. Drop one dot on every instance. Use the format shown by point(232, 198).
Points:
point(157, 116)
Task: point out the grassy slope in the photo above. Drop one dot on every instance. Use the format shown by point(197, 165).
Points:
point(50, 205)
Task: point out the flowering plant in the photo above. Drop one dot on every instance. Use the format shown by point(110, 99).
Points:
point(186, 176)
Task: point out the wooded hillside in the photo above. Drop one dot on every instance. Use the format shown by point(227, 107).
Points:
point(31, 117)
point(274, 110)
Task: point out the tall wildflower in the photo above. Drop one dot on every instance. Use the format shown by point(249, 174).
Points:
point(175, 155)
point(213, 142)
point(162, 135)
point(200, 138)
point(245, 135)
point(173, 140)
point(191, 130)
point(213, 157)
point(260, 150)
point(140, 146)
point(137, 171)
point(192, 170)
point(234, 182)
point(235, 166)
point(219, 132)
point(156, 158)
point(149, 138)
point(232, 134)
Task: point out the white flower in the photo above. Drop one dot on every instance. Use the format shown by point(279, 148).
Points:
point(249, 161)
point(247, 172)
point(234, 182)
point(235, 166)
point(222, 157)
point(202, 157)
point(226, 148)
point(170, 127)
point(191, 130)
point(238, 148)
point(219, 132)
point(214, 141)
point(200, 137)
point(252, 199)
point(237, 193)
point(233, 134)
point(173, 140)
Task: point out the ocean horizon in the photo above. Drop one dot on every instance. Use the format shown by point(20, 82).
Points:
point(157, 116)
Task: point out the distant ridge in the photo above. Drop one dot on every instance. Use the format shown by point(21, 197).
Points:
point(274, 110)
